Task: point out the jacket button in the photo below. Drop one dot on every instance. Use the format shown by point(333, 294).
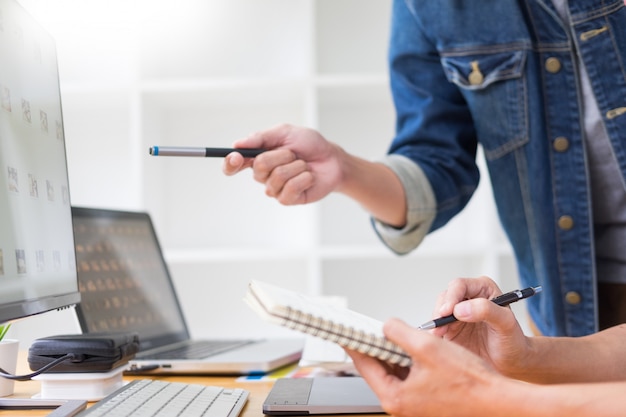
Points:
point(560, 144)
point(476, 76)
point(572, 297)
point(553, 65)
point(566, 222)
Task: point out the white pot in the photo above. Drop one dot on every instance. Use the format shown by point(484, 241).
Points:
point(8, 361)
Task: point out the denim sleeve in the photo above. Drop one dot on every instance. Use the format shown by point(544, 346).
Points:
point(421, 207)
point(434, 126)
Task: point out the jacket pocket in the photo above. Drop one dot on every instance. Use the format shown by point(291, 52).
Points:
point(495, 90)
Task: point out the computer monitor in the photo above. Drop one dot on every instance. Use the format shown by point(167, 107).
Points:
point(37, 260)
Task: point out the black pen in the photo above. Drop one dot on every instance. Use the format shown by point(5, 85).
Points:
point(202, 152)
point(501, 300)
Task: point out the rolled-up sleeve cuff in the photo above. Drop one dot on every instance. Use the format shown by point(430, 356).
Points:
point(421, 207)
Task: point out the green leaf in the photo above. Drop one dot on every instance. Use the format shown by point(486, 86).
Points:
point(4, 329)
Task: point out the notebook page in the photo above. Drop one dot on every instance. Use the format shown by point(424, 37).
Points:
point(307, 314)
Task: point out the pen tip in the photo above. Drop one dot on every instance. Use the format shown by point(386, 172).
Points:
point(427, 326)
point(537, 289)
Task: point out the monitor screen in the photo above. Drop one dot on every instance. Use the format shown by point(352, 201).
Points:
point(37, 260)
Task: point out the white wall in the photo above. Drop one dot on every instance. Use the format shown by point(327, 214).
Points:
point(206, 72)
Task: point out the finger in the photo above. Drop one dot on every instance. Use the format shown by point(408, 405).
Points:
point(234, 162)
point(368, 366)
point(375, 372)
point(439, 305)
point(282, 174)
point(295, 190)
point(441, 310)
point(467, 288)
point(458, 290)
point(264, 164)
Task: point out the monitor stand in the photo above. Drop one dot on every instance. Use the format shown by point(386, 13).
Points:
point(61, 407)
point(68, 393)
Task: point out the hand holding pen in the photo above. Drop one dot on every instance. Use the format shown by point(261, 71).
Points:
point(297, 165)
point(501, 300)
point(488, 330)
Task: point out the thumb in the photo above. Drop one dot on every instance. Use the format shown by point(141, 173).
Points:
point(417, 343)
point(483, 310)
point(397, 330)
point(268, 139)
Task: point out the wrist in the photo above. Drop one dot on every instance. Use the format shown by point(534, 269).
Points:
point(501, 397)
point(374, 186)
point(530, 365)
point(353, 172)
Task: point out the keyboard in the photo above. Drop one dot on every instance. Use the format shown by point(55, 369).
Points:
point(146, 397)
point(198, 349)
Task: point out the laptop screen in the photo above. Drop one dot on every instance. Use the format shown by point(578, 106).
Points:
point(123, 279)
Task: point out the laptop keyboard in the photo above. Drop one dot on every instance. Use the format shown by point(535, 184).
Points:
point(200, 349)
point(145, 397)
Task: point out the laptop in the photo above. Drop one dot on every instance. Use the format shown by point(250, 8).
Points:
point(126, 286)
point(321, 395)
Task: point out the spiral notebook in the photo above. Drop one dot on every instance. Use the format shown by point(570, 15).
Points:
point(309, 315)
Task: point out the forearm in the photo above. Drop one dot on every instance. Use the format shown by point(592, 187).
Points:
point(376, 187)
point(580, 400)
point(593, 358)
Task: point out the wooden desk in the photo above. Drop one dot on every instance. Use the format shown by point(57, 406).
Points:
point(253, 408)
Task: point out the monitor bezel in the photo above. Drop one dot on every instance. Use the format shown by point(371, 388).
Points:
point(21, 309)
point(13, 311)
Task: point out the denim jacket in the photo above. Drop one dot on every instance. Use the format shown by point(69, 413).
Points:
point(503, 74)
